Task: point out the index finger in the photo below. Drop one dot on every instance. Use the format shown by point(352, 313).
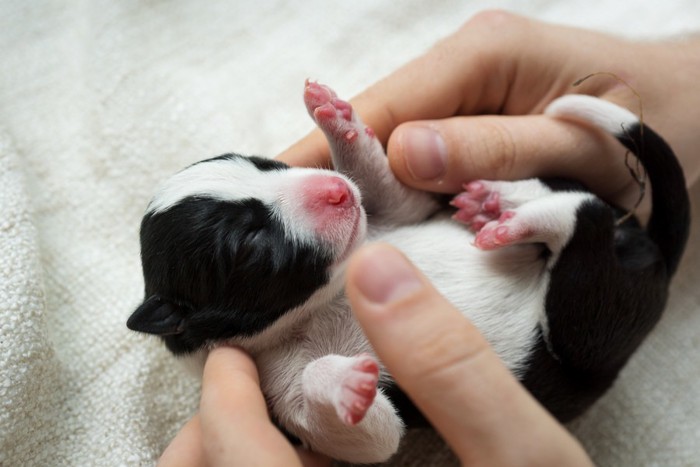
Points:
point(236, 427)
point(452, 375)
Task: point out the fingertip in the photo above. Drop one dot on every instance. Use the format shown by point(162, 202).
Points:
point(186, 448)
point(230, 382)
point(381, 274)
point(224, 359)
point(398, 307)
point(501, 148)
point(452, 370)
point(232, 408)
point(423, 150)
point(419, 155)
point(441, 155)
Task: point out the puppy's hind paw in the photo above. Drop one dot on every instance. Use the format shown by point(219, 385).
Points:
point(504, 231)
point(358, 389)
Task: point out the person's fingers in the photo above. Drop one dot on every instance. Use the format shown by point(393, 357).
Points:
point(464, 72)
point(235, 425)
point(479, 70)
point(441, 155)
point(185, 450)
point(448, 369)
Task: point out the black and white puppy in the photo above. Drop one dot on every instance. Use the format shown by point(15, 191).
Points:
point(250, 251)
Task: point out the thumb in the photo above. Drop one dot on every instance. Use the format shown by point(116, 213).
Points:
point(441, 155)
point(447, 368)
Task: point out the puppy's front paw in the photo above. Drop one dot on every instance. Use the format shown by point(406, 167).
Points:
point(334, 116)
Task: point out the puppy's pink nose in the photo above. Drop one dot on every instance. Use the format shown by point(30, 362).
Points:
point(337, 192)
point(323, 193)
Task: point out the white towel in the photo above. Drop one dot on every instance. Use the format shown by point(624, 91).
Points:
point(101, 100)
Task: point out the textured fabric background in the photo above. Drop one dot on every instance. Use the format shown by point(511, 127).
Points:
point(101, 100)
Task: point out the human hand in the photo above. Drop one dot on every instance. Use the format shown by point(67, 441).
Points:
point(233, 426)
point(482, 91)
point(451, 373)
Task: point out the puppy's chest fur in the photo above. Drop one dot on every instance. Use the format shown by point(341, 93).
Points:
point(501, 292)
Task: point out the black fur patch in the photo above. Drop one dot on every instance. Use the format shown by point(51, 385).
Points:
point(606, 292)
point(229, 265)
point(261, 163)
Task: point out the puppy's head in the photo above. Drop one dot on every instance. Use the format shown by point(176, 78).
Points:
point(231, 244)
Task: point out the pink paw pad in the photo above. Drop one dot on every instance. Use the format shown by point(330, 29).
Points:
point(315, 95)
point(335, 116)
point(325, 111)
point(358, 390)
point(350, 135)
point(323, 104)
point(502, 232)
point(477, 205)
point(343, 108)
point(332, 111)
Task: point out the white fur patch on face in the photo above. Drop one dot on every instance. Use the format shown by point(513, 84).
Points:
point(223, 179)
point(297, 198)
point(327, 204)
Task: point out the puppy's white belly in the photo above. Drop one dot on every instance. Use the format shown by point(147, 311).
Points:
point(502, 292)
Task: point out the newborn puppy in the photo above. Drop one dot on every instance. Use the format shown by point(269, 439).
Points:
point(250, 251)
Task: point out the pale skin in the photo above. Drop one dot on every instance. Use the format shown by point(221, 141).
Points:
point(481, 90)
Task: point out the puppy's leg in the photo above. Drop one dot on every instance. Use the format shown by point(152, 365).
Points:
point(349, 384)
point(484, 201)
point(344, 413)
point(358, 154)
point(508, 213)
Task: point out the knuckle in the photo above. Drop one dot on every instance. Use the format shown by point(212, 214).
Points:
point(492, 19)
point(499, 153)
point(488, 23)
point(487, 151)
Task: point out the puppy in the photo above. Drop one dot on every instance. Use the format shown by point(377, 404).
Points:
point(251, 251)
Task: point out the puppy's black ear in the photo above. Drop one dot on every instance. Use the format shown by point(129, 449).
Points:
point(157, 316)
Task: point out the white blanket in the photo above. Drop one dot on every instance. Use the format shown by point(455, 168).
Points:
point(100, 100)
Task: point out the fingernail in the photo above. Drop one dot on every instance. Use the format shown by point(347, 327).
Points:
point(384, 275)
point(424, 151)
